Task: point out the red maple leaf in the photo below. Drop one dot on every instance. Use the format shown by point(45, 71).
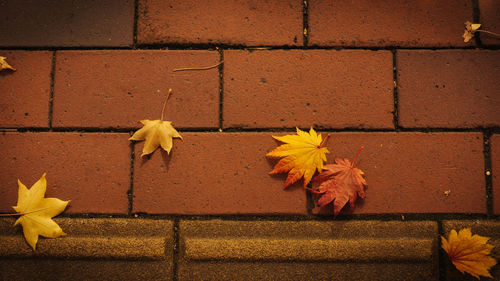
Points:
point(341, 183)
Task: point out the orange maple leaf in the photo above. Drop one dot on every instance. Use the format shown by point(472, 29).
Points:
point(341, 183)
point(303, 155)
point(469, 253)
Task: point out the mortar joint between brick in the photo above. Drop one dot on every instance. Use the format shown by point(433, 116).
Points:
point(488, 173)
point(221, 88)
point(91, 130)
point(309, 202)
point(288, 217)
point(441, 255)
point(395, 90)
point(130, 191)
point(211, 47)
point(136, 19)
point(305, 22)
point(51, 91)
point(175, 258)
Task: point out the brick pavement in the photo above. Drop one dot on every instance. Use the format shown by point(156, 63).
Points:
point(395, 78)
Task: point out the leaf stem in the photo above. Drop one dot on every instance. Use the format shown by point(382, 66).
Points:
point(323, 142)
point(357, 154)
point(488, 32)
point(314, 191)
point(198, 68)
point(165, 103)
point(20, 214)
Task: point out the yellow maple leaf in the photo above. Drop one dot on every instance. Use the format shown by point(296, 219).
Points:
point(469, 253)
point(470, 29)
point(156, 133)
point(4, 64)
point(37, 212)
point(303, 154)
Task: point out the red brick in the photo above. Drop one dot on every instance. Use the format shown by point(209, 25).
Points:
point(243, 22)
point(489, 13)
point(324, 88)
point(495, 166)
point(25, 93)
point(393, 23)
point(119, 88)
point(448, 89)
point(91, 170)
point(66, 23)
point(214, 173)
point(410, 172)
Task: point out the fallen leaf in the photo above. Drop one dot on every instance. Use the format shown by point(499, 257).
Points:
point(37, 212)
point(341, 183)
point(156, 133)
point(4, 64)
point(303, 155)
point(470, 29)
point(469, 253)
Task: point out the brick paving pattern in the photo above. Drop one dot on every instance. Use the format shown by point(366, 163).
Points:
point(395, 78)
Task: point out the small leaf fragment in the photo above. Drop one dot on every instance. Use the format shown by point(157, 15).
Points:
point(470, 29)
point(4, 64)
point(469, 253)
point(37, 212)
point(303, 155)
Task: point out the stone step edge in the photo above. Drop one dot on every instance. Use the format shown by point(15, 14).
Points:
point(94, 238)
point(129, 248)
point(268, 249)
